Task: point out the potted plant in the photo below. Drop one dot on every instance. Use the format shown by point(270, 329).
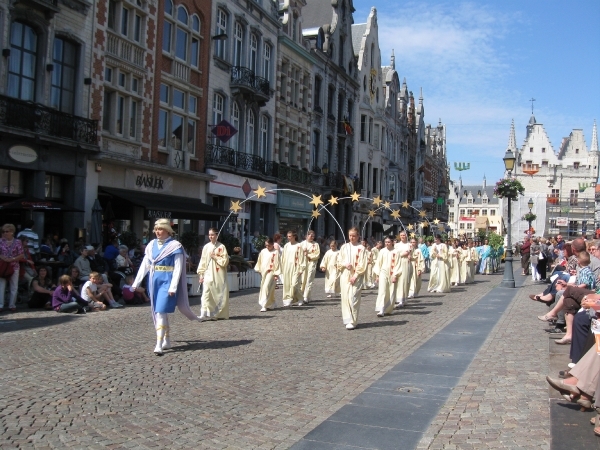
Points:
point(509, 188)
point(529, 217)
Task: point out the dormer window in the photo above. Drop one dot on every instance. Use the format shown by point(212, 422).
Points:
point(530, 149)
point(543, 149)
point(575, 165)
point(469, 201)
point(577, 151)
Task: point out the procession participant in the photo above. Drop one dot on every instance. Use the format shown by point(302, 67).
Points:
point(312, 251)
point(404, 270)
point(425, 252)
point(165, 260)
point(464, 262)
point(293, 262)
point(352, 262)
point(212, 272)
point(454, 257)
point(386, 270)
point(439, 266)
point(267, 265)
point(486, 259)
point(374, 255)
point(329, 266)
point(418, 267)
point(474, 260)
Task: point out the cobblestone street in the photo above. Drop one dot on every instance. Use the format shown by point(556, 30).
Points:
point(258, 380)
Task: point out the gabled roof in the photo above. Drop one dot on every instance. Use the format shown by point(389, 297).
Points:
point(316, 13)
point(358, 31)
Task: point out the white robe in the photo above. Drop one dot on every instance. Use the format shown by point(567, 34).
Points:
point(386, 268)
point(292, 264)
point(405, 271)
point(312, 251)
point(418, 263)
point(356, 256)
point(215, 290)
point(267, 265)
point(329, 264)
point(440, 270)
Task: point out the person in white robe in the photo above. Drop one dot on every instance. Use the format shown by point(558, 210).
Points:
point(293, 262)
point(418, 263)
point(386, 273)
point(405, 269)
point(439, 266)
point(352, 262)
point(312, 251)
point(212, 272)
point(267, 265)
point(474, 254)
point(329, 266)
point(454, 257)
point(464, 262)
point(374, 255)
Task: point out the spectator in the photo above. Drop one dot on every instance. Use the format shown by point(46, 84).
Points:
point(122, 260)
point(111, 251)
point(32, 238)
point(65, 256)
point(66, 299)
point(43, 288)
point(98, 264)
point(83, 264)
point(11, 252)
point(135, 297)
point(27, 269)
point(76, 282)
point(97, 294)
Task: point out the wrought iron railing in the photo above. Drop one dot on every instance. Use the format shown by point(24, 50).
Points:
point(242, 76)
point(291, 174)
point(226, 156)
point(335, 180)
point(41, 119)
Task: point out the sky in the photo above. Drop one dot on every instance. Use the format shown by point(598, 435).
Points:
point(480, 62)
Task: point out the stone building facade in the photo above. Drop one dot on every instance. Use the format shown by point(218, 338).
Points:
point(48, 133)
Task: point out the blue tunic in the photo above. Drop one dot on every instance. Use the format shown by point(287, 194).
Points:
point(163, 302)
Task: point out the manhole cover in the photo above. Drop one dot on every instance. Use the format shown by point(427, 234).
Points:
point(409, 389)
point(444, 354)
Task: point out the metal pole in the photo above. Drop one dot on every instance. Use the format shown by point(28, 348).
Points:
point(508, 280)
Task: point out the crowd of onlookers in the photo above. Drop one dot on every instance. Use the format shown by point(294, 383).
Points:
point(50, 274)
point(573, 296)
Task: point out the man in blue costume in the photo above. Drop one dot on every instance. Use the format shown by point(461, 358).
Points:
point(167, 288)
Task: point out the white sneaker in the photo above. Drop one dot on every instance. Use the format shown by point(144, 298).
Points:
point(166, 343)
point(115, 304)
point(328, 295)
point(263, 309)
point(380, 314)
point(158, 351)
point(300, 303)
point(201, 318)
point(350, 327)
point(571, 365)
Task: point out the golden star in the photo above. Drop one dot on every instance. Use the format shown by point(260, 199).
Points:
point(387, 205)
point(424, 224)
point(405, 204)
point(396, 214)
point(333, 200)
point(410, 227)
point(412, 235)
point(377, 201)
point(371, 213)
point(316, 201)
point(316, 213)
point(260, 192)
point(235, 207)
point(423, 213)
point(436, 221)
point(355, 196)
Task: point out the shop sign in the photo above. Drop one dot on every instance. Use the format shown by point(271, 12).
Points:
point(224, 131)
point(157, 214)
point(148, 181)
point(427, 199)
point(562, 221)
point(22, 154)
point(235, 186)
point(417, 204)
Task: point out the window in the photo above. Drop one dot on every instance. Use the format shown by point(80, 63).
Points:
point(235, 121)
point(264, 137)
point(62, 92)
point(461, 225)
point(577, 151)
point(253, 52)
point(573, 197)
point(451, 203)
point(492, 212)
point(267, 62)
point(122, 103)
point(370, 130)
point(218, 102)
point(112, 12)
point(462, 212)
point(317, 97)
point(176, 120)
point(451, 217)
point(555, 193)
point(181, 40)
point(469, 212)
point(575, 165)
point(530, 149)
point(238, 44)
point(544, 163)
point(316, 143)
point(22, 62)
point(137, 28)
point(221, 29)
point(469, 226)
point(469, 201)
point(292, 147)
point(250, 130)
point(295, 86)
point(125, 21)
point(330, 97)
point(11, 182)
point(363, 128)
point(53, 186)
point(484, 212)
point(167, 27)
point(484, 201)
point(543, 149)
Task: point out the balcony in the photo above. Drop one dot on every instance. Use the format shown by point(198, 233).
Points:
point(226, 156)
point(251, 86)
point(48, 7)
point(290, 174)
point(40, 119)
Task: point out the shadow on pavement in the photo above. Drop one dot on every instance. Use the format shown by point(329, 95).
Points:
point(11, 323)
point(416, 313)
point(208, 345)
point(263, 316)
point(383, 323)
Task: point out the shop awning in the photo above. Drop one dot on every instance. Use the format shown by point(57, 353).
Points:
point(159, 205)
point(481, 223)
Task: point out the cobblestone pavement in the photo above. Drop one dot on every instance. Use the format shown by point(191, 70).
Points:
point(502, 399)
point(258, 380)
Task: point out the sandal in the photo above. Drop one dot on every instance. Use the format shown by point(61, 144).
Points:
point(546, 318)
point(596, 420)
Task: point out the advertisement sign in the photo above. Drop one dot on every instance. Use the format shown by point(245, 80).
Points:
point(418, 204)
point(427, 199)
point(141, 180)
point(235, 186)
point(562, 221)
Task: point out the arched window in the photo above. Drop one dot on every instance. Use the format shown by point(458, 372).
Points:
point(23, 62)
point(238, 44)
point(267, 62)
point(250, 130)
point(234, 142)
point(181, 45)
point(62, 92)
point(264, 137)
point(182, 15)
point(220, 30)
point(196, 23)
point(253, 52)
point(218, 105)
point(167, 26)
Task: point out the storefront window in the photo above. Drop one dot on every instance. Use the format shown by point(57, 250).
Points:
point(53, 186)
point(11, 182)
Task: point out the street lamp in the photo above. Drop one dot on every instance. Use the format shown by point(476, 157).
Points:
point(530, 205)
point(508, 280)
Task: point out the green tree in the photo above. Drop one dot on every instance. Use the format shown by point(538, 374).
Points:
point(495, 240)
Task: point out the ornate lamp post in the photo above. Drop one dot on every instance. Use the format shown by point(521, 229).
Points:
point(508, 280)
point(530, 205)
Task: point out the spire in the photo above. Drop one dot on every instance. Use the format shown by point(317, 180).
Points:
point(484, 182)
point(421, 97)
point(594, 138)
point(393, 58)
point(512, 141)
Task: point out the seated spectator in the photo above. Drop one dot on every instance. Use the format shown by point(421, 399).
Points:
point(122, 260)
point(96, 293)
point(136, 297)
point(65, 256)
point(43, 288)
point(98, 264)
point(237, 263)
point(138, 256)
point(65, 299)
point(83, 264)
point(111, 251)
point(76, 282)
